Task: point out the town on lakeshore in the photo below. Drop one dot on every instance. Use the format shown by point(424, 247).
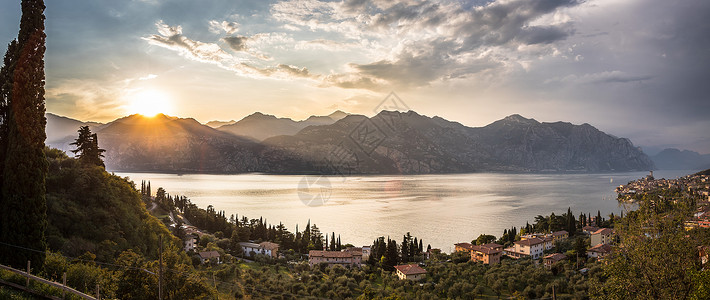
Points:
point(556, 243)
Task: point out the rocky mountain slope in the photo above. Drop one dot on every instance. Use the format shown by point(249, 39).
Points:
point(409, 143)
point(260, 126)
point(388, 143)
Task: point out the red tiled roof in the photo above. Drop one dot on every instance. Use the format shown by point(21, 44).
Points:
point(604, 231)
point(410, 269)
point(333, 254)
point(601, 248)
point(492, 245)
point(530, 242)
point(590, 228)
point(464, 245)
point(209, 254)
point(555, 257)
point(559, 233)
point(269, 245)
point(485, 250)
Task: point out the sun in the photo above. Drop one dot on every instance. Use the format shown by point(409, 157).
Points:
point(149, 103)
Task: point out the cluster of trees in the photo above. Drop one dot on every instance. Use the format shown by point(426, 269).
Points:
point(87, 148)
point(387, 254)
point(23, 166)
point(658, 258)
point(230, 231)
point(445, 280)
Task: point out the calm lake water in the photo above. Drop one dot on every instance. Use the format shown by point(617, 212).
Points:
point(440, 209)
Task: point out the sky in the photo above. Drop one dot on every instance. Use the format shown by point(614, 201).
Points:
point(634, 68)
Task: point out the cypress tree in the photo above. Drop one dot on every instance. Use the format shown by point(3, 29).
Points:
point(6, 79)
point(24, 208)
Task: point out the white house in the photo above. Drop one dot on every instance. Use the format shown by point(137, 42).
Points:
point(532, 247)
point(208, 256)
point(410, 272)
point(343, 258)
point(263, 248)
point(190, 243)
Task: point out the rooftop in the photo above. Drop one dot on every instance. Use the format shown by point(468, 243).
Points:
point(601, 248)
point(560, 233)
point(604, 231)
point(410, 269)
point(209, 254)
point(530, 242)
point(269, 245)
point(333, 254)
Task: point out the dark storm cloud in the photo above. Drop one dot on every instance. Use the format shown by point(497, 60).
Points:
point(237, 43)
point(464, 32)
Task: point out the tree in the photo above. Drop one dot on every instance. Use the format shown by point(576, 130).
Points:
point(87, 148)
point(484, 239)
point(24, 208)
point(657, 260)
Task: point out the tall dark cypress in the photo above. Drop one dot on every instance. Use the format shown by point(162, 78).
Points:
point(6, 79)
point(24, 209)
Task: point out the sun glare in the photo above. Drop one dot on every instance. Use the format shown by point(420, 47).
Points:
point(149, 103)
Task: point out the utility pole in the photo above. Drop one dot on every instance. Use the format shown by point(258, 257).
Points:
point(160, 268)
point(554, 296)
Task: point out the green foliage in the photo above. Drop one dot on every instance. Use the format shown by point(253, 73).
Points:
point(92, 210)
point(484, 239)
point(657, 258)
point(87, 148)
point(23, 217)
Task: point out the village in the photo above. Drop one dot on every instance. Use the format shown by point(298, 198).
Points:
point(538, 247)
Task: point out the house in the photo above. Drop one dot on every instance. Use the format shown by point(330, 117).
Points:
point(410, 272)
point(190, 243)
point(343, 258)
point(704, 255)
point(558, 235)
point(599, 251)
point(528, 248)
point(551, 259)
point(209, 256)
point(254, 249)
point(366, 252)
point(270, 248)
point(548, 243)
point(602, 236)
point(432, 252)
point(487, 254)
point(588, 230)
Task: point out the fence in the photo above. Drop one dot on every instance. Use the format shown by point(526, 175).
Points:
point(61, 286)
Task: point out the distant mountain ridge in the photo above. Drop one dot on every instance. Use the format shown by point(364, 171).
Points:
point(388, 143)
point(259, 126)
point(675, 159)
point(413, 144)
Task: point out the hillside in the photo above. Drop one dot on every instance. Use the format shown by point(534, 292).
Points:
point(92, 210)
point(388, 143)
point(169, 144)
point(674, 159)
point(410, 143)
point(259, 126)
point(62, 130)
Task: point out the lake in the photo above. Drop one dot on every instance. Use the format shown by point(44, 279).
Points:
point(440, 209)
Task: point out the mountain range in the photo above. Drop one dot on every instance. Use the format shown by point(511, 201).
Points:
point(390, 142)
point(675, 159)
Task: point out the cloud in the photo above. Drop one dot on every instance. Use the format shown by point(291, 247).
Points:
point(237, 43)
point(171, 37)
point(601, 77)
point(148, 77)
point(226, 26)
point(421, 42)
